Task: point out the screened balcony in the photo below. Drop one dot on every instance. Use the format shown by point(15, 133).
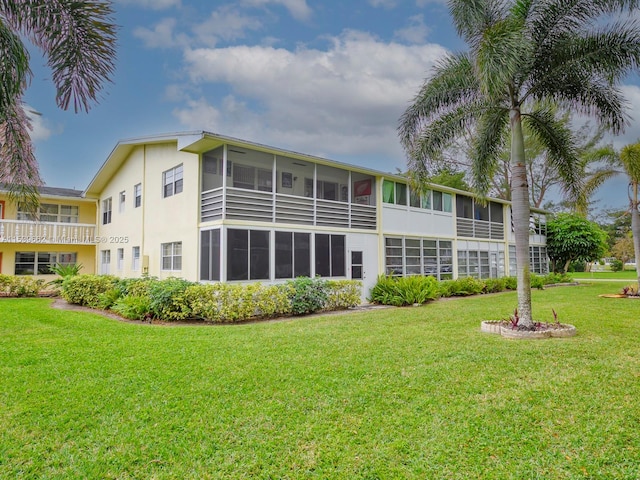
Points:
point(261, 187)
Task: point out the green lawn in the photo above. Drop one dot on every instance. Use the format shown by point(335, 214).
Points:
point(397, 393)
point(629, 275)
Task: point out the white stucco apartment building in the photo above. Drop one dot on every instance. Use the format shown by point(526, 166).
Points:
point(206, 207)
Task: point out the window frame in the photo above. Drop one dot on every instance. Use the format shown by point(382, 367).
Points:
point(137, 195)
point(173, 178)
point(107, 209)
point(174, 256)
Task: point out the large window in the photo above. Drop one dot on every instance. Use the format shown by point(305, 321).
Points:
point(538, 260)
point(418, 256)
point(50, 212)
point(106, 211)
point(293, 255)
point(172, 256)
point(210, 255)
point(30, 263)
point(247, 254)
point(137, 195)
point(330, 255)
point(172, 181)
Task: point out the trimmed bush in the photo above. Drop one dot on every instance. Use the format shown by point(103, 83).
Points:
point(86, 289)
point(223, 302)
point(495, 285)
point(20, 286)
point(133, 307)
point(343, 294)
point(401, 291)
point(167, 299)
point(309, 295)
point(462, 287)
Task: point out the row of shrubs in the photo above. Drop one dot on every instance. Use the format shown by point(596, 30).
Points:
point(178, 299)
point(20, 286)
point(401, 291)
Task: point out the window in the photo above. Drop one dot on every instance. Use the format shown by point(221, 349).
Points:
point(247, 254)
point(356, 265)
point(137, 195)
point(105, 261)
point(172, 256)
point(330, 255)
point(210, 255)
point(31, 263)
point(50, 212)
point(414, 198)
point(327, 190)
point(135, 258)
point(120, 259)
point(418, 256)
point(122, 198)
point(539, 263)
point(401, 194)
point(172, 181)
point(68, 214)
point(106, 211)
point(387, 191)
point(293, 255)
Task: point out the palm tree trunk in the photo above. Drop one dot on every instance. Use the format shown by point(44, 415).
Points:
point(635, 229)
point(521, 213)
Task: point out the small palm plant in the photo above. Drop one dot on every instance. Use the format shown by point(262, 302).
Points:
point(64, 271)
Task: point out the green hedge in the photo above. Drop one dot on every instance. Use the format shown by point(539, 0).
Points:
point(178, 299)
point(402, 291)
point(20, 286)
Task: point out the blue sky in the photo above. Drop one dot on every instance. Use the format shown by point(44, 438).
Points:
point(326, 78)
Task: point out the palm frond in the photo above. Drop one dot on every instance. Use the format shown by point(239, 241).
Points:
point(489, 142)
point(79, 40)
point(472, 17)
point(453, 83)
point(15, 71)
point(19, 170)
point(560, 144)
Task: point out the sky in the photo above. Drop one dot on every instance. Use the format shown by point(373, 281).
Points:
point(326, 78)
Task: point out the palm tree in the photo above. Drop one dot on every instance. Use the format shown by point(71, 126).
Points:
point(78, 38)
point(524, 55)
point(630, 159)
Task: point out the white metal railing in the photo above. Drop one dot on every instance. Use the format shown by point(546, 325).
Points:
point(244, 204)
point(24, 231)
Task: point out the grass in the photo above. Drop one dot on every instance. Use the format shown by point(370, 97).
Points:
point(397, 393)
point(630, 275)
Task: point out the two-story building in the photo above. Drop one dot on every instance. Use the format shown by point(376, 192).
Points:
point(61, 231)
point(206, 207)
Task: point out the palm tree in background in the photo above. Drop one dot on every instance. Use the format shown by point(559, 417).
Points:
point(630, 160)
point(524, 57)
point(78, 39)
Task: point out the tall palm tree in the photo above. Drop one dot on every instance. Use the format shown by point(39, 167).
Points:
point(524, 55)
point(630, 159)
point(79, 39)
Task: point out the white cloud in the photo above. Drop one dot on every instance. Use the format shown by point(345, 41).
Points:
point(40, 127)
point(161, 35)
point(415, 32)
point(343, 100)
point(297, 8)
point(632, 132)
point(383, 3)
point(226, 23)
point(151, 4)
